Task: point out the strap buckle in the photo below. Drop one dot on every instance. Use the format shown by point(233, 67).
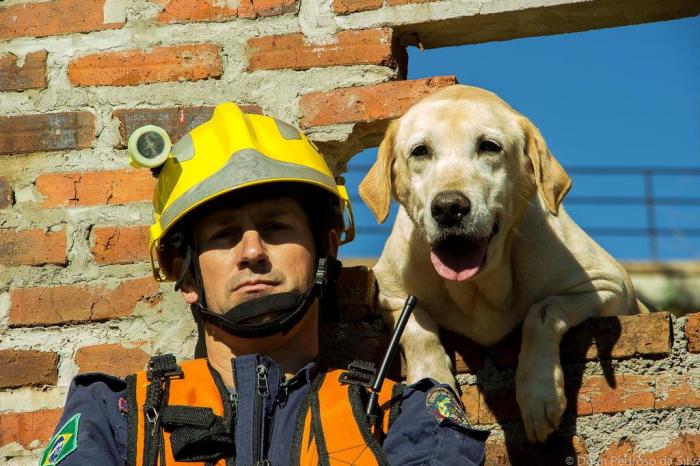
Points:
point(163, 366)
point(359, 373)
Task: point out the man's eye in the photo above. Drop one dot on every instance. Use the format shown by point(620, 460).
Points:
point(223, 234)
point(276, 226)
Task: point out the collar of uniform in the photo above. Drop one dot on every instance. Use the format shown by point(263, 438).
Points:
point(304, 375)
point(245, 374)
point(252, 370)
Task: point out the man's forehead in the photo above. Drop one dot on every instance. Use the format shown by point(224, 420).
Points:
point(270, 207)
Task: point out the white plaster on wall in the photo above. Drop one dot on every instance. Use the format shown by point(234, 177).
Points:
point(317, 20)
point(114, 11)
point(32, 398)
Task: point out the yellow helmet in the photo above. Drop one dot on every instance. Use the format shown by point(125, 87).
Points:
point(233, 150)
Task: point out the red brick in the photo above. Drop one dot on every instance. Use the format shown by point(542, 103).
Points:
point(7, 198)
point(341, 344)
point(630, 392)
point(32, 247)
point(692, 332)
point(178, 11)
point(177, 121)
point(677, 391)
point(593, 396)
point(616, 337)
point(120, 245)
point(39, 19)
point(466, 356)
point(682, 450)
point(110, 187)
point(111, 359)
point(559, 449)
point(490, 406)
point(355, 290)
point(27, 428)
point(343, 7)
point(79, 303)
point(294, 51)
point(43, 132)
point(31, 75)
point(381, 102)
point(471, 399)
point(19, 368)
point(159, 64)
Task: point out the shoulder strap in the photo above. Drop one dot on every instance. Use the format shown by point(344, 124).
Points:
point(164, 417)
point(328, 434)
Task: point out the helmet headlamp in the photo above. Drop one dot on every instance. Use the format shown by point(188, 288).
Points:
point(149, 146)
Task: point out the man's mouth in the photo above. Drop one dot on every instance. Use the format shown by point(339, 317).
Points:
point(460, 257)
point(254, 286)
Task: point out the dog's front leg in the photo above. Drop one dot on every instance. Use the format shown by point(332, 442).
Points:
point(539, 377)
point(424, 353)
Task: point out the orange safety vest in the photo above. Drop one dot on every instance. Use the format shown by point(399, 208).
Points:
point(327, 435)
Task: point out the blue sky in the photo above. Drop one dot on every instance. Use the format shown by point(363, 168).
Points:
point(627, 97)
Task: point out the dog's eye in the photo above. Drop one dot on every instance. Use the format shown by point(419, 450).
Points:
point(421, 150)
point(488, 145)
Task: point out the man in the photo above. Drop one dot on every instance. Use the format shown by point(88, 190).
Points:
point(248, 220)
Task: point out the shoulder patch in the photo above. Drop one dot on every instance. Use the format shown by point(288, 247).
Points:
point(63, 443)
point(443, 404)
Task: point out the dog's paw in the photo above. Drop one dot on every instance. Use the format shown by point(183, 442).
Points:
point(435, 366)
point(540, 394)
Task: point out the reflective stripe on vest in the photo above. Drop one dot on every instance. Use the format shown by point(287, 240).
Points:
point(326, 433)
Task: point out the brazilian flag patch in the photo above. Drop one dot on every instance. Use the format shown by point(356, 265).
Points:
point(443, 404)
point(63, 443)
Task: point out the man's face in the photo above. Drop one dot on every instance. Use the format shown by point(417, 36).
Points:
point(261, 247)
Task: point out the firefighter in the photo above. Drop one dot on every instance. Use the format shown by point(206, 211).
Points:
point(247, 222)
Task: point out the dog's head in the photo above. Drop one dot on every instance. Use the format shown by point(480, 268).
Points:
point(464, 165)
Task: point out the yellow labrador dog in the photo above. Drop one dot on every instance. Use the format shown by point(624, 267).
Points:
point(481, 238)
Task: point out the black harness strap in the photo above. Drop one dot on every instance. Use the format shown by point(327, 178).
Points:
point(317, 429)
point(197, 434)
point(356, 393)
point(132, 421)
point(160, 370)
point(295, 450)
point(396, 399)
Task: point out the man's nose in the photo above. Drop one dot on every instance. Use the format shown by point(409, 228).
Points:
point(252, 249)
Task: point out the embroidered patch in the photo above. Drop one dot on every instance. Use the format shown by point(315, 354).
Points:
point(443, 404)
point(63, 443)
point(123, 407)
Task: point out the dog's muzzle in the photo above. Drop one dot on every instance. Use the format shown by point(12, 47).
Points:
point(449, 208)
point(460, 257)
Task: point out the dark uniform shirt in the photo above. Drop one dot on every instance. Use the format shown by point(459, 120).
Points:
point(423, 432)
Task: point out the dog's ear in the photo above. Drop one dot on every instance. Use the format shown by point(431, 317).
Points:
point(551, 179)
point(375, 188)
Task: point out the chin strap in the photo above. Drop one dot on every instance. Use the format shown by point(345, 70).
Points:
point(280, 311)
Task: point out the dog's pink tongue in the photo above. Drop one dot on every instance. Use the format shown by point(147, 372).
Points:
point(458, 262)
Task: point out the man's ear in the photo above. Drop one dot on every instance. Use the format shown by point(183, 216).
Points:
point(375, 188)
point(188, 289)
point(553, 183)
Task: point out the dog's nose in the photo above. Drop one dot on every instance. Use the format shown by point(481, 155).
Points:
point(449, 207)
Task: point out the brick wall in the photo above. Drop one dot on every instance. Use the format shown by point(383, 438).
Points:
point(77, 76)
point(632, 383)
